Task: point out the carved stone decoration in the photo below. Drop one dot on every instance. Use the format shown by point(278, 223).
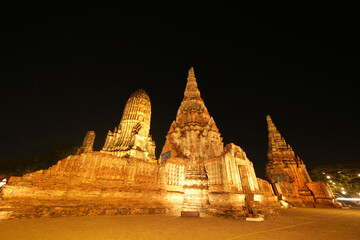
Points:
point(88, 143)
point(287, 172)
point(131, 138)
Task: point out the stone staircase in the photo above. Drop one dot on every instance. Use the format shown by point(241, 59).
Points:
point(196, 190)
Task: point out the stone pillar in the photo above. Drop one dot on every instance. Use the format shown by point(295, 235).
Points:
point(88, 143)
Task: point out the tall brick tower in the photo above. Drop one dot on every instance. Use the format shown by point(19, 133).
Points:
point(286, 171)
point(193, 137)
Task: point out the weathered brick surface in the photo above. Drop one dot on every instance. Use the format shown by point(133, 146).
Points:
point(88, 184)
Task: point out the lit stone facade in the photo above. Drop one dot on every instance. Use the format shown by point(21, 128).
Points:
point(131, 138)
point(289, 177)
point(195, 172)
point(215, 177)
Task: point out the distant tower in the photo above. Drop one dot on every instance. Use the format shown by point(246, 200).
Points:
point(88, 143)
point(131, 138)
point(286, 171)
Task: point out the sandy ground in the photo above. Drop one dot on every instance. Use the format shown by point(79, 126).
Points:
point(293, 224)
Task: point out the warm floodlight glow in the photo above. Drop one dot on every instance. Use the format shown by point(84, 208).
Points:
point(284, 204)
point(333, 183)
point(328, 177)
point(342, 188)
point(343, 192)
point(3, 182)
point(348, 199)
point(258, 197)
point(359, 175)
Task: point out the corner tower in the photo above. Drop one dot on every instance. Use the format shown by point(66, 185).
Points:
point(280, 154)
point(286, 171)
point(131, 138)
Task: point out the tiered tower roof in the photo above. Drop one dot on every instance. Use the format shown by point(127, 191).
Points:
point(194, 133)
point(279, 150)
point(192, 110)
point(276, 141)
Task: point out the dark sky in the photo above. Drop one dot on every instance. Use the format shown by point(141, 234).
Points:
point(68, 68)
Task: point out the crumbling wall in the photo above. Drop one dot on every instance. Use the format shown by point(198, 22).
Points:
point(323, 195)
point(87, 184)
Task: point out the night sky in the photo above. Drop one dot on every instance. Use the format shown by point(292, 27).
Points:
point(67, 69)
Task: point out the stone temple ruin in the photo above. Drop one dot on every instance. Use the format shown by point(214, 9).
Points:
point(195, 172)
point(289, 177)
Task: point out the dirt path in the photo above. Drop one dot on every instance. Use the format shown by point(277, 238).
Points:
point(293, 224)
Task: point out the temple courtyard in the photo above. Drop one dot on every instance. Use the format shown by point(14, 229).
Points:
point(294, 223)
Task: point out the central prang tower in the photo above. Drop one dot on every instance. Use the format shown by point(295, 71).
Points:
point(193, 137)
point(194, 134)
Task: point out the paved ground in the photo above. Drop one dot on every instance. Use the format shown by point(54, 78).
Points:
point(293, 224)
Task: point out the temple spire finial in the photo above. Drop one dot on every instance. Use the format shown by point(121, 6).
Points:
point(268, 119)
point(191, 74)
point(191, 90)
point(271, 126)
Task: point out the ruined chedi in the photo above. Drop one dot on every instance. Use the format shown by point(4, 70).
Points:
point(214, 178)
point(194, 137)
point(131, 138)
point(289, 177)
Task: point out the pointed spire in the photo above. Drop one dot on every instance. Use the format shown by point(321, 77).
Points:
point(271, 125)
point(192, 102)
point(276, 141)
point(191, 74)
point(191, 90)
point(268, 119)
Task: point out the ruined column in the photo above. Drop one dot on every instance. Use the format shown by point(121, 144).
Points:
point(88, 143)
